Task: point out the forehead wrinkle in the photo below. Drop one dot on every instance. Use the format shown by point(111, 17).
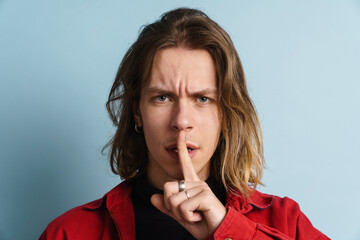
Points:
point(165, 74)
point(157, 82)
point(170, 74)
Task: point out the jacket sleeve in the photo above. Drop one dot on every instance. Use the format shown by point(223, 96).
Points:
point(239, 227)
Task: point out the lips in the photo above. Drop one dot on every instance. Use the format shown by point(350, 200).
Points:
point(189, 146)
point(173, 150)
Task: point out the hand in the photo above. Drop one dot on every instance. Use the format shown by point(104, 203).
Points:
point(201, 213)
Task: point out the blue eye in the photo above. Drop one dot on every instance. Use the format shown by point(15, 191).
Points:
point(160, 98)
point(203, 99)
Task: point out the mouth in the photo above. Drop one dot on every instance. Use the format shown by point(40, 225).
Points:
point(173, 150)
point(177, 150)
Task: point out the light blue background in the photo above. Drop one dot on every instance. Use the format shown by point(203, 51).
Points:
point(57, 63)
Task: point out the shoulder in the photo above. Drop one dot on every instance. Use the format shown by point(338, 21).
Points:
point(281, 213)
point(261, 201)
point(276, 207)
point(285, 215)
point(75, 221)
point(267, 209)
point(86, 221)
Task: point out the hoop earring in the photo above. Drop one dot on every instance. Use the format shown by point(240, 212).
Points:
point(138, 129)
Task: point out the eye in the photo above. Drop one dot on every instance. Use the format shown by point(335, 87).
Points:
point(203, 99)
point(160, 98)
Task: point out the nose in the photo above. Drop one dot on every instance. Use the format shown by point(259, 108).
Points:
point(182, 116)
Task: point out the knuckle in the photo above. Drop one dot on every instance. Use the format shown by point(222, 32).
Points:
point(183, 208)
point(185, 213)
point(187, 217)
point(204, 185)
point(172, 200)
point(206, 195)
point(167, 205)
point(167, 186)
point(208, 191)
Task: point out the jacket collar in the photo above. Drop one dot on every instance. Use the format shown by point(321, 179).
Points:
point(119, 206)
point(118, 194)
point(257, 200)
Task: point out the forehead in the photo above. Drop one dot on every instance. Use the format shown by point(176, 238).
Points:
point(193, 69)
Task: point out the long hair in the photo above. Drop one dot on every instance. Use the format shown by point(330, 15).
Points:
point(238, 158)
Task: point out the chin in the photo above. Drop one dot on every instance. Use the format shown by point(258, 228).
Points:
point(175, 174)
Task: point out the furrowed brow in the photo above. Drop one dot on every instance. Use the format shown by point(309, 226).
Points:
point(156, 90)
point(204, 92)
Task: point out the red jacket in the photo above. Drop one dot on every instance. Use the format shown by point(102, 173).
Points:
point(112, 217)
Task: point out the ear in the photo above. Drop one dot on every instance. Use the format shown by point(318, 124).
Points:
point(137, 115)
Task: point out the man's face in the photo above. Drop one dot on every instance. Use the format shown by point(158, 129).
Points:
point(180, 95)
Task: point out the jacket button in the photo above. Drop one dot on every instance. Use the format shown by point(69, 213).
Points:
point(228, 238)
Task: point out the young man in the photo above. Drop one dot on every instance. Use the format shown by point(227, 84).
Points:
point(188, 144)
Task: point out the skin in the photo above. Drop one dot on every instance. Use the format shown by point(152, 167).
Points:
point(178, 108)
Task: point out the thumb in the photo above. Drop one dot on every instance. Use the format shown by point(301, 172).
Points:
point(158, 201)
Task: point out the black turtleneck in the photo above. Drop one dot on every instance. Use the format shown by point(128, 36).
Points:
point(150, 223)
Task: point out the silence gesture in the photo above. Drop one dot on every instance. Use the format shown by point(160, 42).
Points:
point(195, 207)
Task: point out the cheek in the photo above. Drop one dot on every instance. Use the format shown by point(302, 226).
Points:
point(210, 121)
point(211, 127)
point(154, 125)
point(152, 120)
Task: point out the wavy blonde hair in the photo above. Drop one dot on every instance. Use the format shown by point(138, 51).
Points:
point(238, 159)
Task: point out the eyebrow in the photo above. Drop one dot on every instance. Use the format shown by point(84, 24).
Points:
point(202, 92)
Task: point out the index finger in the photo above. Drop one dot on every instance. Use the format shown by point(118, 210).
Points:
point(187, 167)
